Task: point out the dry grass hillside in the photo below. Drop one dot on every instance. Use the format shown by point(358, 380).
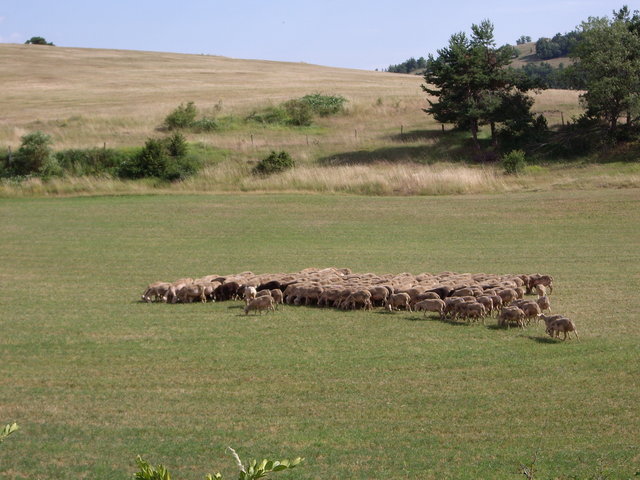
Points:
point(383, 143)
point(85, 97)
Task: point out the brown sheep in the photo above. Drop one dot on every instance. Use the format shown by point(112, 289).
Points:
point(430, 305)
point(544, 303)
point(509, 315)
point(508, 295)
point(562, 325)
point(155, 291)
point(259, 304)
point(397, 300)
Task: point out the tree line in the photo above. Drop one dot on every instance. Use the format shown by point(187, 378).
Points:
point(470, 84)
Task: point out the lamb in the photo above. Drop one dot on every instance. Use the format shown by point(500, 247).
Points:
point(277, 296)
point(258, 304)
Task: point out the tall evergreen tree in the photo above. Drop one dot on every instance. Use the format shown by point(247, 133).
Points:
point(474, 86)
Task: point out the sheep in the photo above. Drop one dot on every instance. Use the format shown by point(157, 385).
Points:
point(397, 300)
point(531, 310)
point(541, 290)
point(543, 303)
point(276, 294)
point(249, 293)
point(564, 325)
point(471, 310)
point(430, 305)
point(258, 304)
point(507, 295)
point(511, 314)
point(155, 291)
point(559, 323)
point(188, 293)
point(357, 298)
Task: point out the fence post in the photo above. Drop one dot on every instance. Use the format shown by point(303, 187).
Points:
point(562, 118)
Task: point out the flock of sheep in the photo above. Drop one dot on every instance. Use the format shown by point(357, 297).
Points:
point(454, 296)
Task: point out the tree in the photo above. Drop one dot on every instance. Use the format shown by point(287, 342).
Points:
point(38, 41)
point(523, 39)
point(607, 60)
point(474, 85)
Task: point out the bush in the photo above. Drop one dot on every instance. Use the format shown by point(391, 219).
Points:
point(93, 161)
point(324, 105)
point(270, 115)
point(34, 152)
point(183, 116)
point(299, 113)
point(274, 163)
point(205, 124)
point(161, 158)
point(513, 162)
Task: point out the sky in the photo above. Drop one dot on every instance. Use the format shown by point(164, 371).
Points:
point(357, 34)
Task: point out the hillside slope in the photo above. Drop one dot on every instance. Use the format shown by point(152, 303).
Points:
point(54, 83)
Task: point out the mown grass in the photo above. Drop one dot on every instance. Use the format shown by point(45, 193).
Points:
point(94, 377)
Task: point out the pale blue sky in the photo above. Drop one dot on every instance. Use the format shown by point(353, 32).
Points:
point(348, 33)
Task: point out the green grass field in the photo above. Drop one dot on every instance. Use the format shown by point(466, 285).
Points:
point(95, 378)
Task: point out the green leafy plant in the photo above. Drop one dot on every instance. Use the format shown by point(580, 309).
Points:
point(165, 159)
point(299, 113)
point(149, 472)
point(184, 116)
point(324, 105)
point(252, 471)
point(34, 152)
point(274, 163)
point(514, 162)
point(8, 430)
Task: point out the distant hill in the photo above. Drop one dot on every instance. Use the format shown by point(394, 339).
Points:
point(528, 55)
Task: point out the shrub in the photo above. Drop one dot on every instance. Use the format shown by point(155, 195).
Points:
point(184, 116)
point(324, 105)
point(93, 161)
point(513, 162)
point(299, 113)
point(270, 115)
point(33, 154)
point(205, 124)
point(274, 163)
point(161, 158)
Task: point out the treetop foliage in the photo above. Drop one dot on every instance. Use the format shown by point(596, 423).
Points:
point(38, 41)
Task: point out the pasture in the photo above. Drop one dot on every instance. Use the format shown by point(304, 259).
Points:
point(95, 377)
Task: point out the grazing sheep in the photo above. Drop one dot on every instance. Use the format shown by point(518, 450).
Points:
point(531, 311)
point(397, 300)
point(188, 293)
point(277, 296)
point(259, 304)
point(541, 290)
point(562, 325)
point(544, 303)
point(508, 295)
point(249, 293)
point(155, 291)
point(509, 315)
point(430, 305)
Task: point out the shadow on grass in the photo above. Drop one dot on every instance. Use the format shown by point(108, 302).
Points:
point(453, 146)
point(545, 340)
